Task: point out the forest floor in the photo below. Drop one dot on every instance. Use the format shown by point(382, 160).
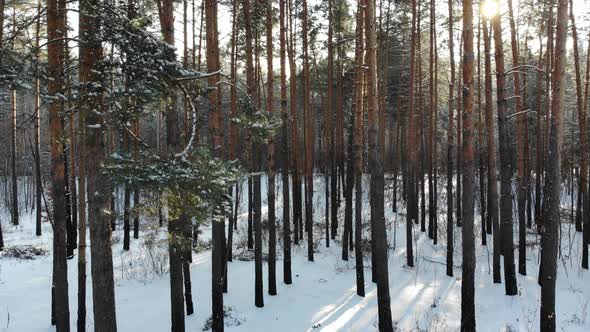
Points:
point(323, 294)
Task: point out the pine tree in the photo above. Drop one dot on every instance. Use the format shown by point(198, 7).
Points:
point(308, 129)
point(520, 164)
point(272, 233)
point(287, 278)
point(175, 225)
point(214, 97)
point(506, 167)
point(491, 156)
point(358, 149)
point(550, 234)
point(379, 232)
point(450, 148)
point(55, 31)
point(37, 135)
point(103, 288)
point(412, 206)
point(467, 227)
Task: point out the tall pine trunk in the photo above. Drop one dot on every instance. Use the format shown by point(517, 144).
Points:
point(520, 164)
point(103, 288)
point(175, 229)
point(379, 235)
point(586, 206)
point(467, 230)
point(272, 233)
point(309, 140)
point(37, 138)
point(412, 206)
point(214, 97)
point(358, 150)
point(491, 156)
point(55, 67)
point(287, 278)
point(506, 167)
point(450, 149)
point(550, 234)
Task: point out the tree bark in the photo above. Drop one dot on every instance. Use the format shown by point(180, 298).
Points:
point(14, 175)
point(37, 138)
point(520, 164)
point(272, 233)
point(358, 150)
point(491, 154)
point(412, 214)
point(550, 234)
point(506, 167)
point(215, 97)
point(296, 176)
point(432, 110)
point(328, 134)
point(467, 229)
point(586, 208)
point(309, 140)
point(379, 236)
point(175, 226)
point(55, 31)
point(480, 142)
point(582, 195)
point(81, 323)
point(103, 288)
point(450, 149)
point(287, 278)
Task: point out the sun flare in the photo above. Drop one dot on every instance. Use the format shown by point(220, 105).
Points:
point(490, 8)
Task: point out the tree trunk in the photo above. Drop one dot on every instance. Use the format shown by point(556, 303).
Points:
point(459, 210)
point(480, 150)
point(136, 207)
point(215, 96)
point(255, 198)
point(379, 236)
point(520, 118)
point(506, 167)
point(272, 233)
point(37, 143)
point(81, 323)
point(67, 196)
point(296, 176)
point(358, 150)
point(435, 150)
point(175, 226)
point(586, 206)
point(329, 135)
point(103, 288)
point(233, 130)
point(309, 140)
point(539, 139)
point(492, 170)
point(1, 45)
point(14, 175)
point(467, 230)
point(287, 278)
point(55, 31)
point(412, 214)
point(432, 109)
point(420, 127)
point(550, 234)
point(450, 146)
point(126, 201)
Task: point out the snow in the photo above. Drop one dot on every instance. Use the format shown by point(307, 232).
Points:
point(323, 294)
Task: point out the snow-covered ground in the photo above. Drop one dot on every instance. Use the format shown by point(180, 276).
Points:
point(323, 294)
